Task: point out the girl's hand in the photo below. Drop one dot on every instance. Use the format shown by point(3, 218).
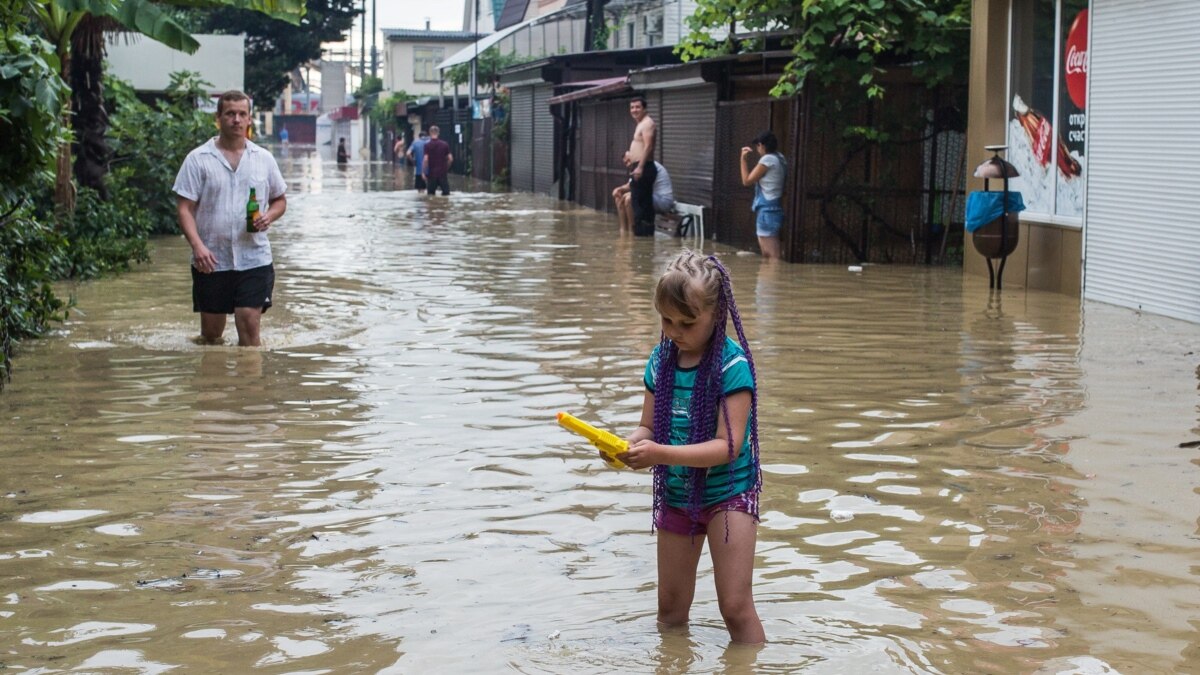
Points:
point(641, 455)
point(746, 151)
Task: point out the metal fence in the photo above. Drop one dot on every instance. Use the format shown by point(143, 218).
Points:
point(869, 181)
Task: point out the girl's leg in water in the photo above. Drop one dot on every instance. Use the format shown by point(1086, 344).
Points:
point(678, 557)
point(733, 567)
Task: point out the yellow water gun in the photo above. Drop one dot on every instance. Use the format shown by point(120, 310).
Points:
point(608, 443)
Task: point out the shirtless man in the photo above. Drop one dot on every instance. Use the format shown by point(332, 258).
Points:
point(641, 152)
point(663, 195)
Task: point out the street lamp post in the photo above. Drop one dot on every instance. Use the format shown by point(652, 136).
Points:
point(374, 70)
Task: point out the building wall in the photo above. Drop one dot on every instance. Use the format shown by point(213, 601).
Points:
point(147, 64)
point(1048, 256)
point(667, 21)
point(399, 64)
point(333, 85)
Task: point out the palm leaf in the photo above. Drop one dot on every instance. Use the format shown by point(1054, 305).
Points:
point(141, 16)
point(290, 11)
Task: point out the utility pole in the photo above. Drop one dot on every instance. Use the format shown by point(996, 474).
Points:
point(374, 71)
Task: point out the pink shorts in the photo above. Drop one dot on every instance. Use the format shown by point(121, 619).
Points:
point(677, 520)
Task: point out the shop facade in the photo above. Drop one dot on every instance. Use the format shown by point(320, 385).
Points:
point(1096, 103)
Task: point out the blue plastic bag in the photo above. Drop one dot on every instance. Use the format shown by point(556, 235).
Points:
point(984, 207)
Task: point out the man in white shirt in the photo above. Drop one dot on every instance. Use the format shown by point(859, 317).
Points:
point(663, 195)
point(232, 270)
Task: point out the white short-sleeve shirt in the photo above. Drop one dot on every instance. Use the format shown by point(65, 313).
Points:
point(772, 181)
point(221, 194)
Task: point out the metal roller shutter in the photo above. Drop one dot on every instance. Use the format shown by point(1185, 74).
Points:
point(1142, 218)
point(521, 139)
point(686, 133)
point(543, 140)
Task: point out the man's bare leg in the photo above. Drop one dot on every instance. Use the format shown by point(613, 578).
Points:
point(247, 320)
point(626, 208)
point(212, 327)
point(618, 199)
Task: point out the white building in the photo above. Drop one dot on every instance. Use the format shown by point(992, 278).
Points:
point(534, 29)
point(148, 64)
point(411, 58)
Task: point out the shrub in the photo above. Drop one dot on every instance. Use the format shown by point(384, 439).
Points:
point(149, 145)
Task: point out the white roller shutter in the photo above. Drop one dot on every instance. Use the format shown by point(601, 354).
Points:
point(543, 140)
point(520, 139)
point(1142, 219)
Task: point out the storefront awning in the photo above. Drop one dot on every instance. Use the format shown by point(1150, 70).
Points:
point(592, 89)
point(470, 52)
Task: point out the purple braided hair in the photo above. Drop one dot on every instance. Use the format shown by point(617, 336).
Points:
point(687, 276)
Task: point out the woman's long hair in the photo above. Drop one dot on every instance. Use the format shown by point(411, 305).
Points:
point(691, 284)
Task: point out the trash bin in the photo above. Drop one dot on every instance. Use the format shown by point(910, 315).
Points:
point(992, 214)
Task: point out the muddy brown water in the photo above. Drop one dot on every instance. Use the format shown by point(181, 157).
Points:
point(955, 481)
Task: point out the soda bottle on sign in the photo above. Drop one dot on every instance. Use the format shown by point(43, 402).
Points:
point(1066, 163)
point(251, 212)
point(1036, 127)
point(1040, 131)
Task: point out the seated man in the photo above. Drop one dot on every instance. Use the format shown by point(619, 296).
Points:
point(664, 195)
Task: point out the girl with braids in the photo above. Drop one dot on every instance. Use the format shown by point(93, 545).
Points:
point(699, 432)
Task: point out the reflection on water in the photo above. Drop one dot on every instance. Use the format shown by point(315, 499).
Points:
point(955, 482)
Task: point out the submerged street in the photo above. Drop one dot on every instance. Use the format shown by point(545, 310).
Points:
point(954, 481)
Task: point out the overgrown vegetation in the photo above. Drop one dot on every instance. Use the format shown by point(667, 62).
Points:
point(384, 112)
point(841, 41)
point(102, 235)
point(146, 171)
point(487, 68)
point(32, 97)
point(370, 85)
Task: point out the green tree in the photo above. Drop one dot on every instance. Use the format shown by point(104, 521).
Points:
point(841, 40)
point(147, 171)
point(384, 114)
point(31, 124)
point(31, 102)
point(487, 69)
point(276, 47)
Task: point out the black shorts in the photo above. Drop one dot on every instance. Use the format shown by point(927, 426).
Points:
point(419, 181)
point(222, 292)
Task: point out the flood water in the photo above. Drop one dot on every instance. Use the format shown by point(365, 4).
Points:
point(955, 482)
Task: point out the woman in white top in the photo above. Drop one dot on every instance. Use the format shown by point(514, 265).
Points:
point(768, 178)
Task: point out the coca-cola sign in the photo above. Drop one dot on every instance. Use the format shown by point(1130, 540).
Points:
point(1075, 60)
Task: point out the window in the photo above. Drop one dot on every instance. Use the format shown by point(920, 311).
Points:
point(1047, 127)
point(425, 61)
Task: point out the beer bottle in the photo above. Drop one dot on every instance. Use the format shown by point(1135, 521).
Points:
point(251, 212)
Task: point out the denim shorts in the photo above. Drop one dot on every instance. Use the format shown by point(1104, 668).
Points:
point(769, 222)
point(677, 520)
